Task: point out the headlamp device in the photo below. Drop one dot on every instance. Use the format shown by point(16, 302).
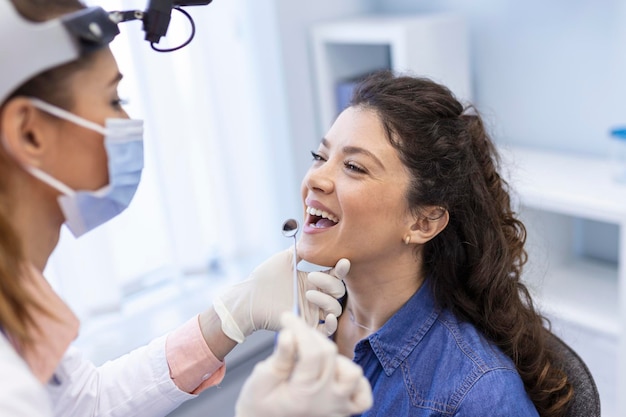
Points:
point(57, 41)
point(156, 19)
point(66, 38)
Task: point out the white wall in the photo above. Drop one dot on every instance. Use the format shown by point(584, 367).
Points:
point(548, 74)
point(285, 78)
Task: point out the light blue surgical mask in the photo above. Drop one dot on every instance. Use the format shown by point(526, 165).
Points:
point(85, 210)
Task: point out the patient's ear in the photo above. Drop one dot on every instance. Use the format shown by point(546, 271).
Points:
point(429, 222)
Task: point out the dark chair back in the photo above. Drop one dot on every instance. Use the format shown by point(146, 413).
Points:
point(586, 401)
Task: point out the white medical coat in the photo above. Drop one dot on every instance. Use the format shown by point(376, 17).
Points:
point(137, 384)
point(21, 395)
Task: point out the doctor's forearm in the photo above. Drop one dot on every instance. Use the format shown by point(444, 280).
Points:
point(211, 328)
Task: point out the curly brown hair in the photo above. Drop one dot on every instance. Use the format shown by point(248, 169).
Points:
point(476, 262)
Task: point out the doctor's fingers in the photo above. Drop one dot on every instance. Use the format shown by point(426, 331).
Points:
point(316, 354)
point(327, 283)
point(283, 359)
point(329, 326)
point(341, 269)
point(277, 368)
point(327, 303)
point(352, 386)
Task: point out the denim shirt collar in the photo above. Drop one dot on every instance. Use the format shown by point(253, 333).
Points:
point(399, 336)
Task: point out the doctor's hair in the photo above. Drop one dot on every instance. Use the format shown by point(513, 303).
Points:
point(475, 263)
point(16, 303)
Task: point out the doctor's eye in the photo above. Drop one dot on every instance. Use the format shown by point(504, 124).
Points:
point(118, 103)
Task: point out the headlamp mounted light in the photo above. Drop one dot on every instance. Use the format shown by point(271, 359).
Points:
point(58, 41)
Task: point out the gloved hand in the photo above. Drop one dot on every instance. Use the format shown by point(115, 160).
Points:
point(304, 377)
point(258, 302)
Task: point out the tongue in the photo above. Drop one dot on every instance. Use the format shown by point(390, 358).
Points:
point(324, 223)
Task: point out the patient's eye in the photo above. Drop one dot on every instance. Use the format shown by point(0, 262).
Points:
point(351, 166)
point(317, 157)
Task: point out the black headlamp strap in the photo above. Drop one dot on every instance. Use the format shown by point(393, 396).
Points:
point(92, 28)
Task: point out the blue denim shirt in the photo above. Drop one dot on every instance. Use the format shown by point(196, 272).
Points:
point(425, 362)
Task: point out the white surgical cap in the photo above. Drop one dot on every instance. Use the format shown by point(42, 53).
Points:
point(29, 48)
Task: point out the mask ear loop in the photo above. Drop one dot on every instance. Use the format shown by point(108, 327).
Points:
point(71, 117)
point(50, 180)
point(64, 114)
point(36, 172)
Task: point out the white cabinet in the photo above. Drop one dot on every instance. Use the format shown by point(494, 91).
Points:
point(576, 218)
point(432, 45)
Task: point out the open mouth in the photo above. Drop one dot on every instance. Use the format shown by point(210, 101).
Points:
point(320, 219)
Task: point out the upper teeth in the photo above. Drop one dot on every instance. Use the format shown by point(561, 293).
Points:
point(321, 213)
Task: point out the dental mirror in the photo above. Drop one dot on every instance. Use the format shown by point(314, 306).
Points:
point(290, 229)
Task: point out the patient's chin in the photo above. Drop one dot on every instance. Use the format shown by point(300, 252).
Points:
point(315, 255)
point(322, 260)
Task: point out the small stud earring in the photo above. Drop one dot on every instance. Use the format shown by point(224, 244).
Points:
point(407, 240)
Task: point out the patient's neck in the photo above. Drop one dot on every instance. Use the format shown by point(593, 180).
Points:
point(374, 294)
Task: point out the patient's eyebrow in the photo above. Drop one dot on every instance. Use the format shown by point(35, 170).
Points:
point(351, 150)
point(355, 150)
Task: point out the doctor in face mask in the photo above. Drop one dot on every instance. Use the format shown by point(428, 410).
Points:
point(69, 154)
point(85, 210)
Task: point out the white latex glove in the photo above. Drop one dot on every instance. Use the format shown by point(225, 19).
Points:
point(258, 302)
point(304, 377)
